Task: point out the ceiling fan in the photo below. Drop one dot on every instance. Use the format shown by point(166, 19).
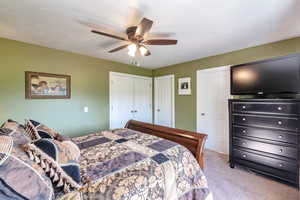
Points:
point(136, 40)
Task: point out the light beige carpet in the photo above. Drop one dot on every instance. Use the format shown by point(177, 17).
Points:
point(238, 184)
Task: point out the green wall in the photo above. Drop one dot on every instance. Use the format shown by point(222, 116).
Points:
point(89, 87)
point(185, 106)
point(90, 83)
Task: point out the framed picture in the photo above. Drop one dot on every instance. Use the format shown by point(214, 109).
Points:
point(47, 86)
point(184, 86)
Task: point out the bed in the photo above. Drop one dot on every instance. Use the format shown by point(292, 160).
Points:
point(138, 162)
point(129, 164)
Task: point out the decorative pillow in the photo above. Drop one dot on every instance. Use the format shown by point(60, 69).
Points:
point(14, 163)
point(31, 131)
point(16, 131)
point(59, 160)
point(37, 130)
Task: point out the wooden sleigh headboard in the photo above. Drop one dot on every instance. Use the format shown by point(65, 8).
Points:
point(191, 140)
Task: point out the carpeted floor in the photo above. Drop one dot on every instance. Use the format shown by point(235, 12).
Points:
point(238, 184)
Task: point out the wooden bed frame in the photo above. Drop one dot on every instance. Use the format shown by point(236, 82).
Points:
point(191, 140)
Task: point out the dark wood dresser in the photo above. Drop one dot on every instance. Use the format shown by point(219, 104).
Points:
point(264, 137)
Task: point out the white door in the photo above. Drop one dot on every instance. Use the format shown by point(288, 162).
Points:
point(143, 100)
point(130, 98)
point(213, 92)
point(164, 101)
point(121, 101)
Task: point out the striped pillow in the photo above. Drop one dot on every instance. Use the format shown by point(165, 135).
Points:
point(31, 131)
point(39, 130)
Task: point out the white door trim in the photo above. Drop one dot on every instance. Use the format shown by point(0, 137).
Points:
point(111, 75)
point(172, 76)
point(128, 75)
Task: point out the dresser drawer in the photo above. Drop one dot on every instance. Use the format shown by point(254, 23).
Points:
point(264, 160)
point(275, 135)
point(282, 175)
point(289, 152)
point(275, 108)
point(284, 123)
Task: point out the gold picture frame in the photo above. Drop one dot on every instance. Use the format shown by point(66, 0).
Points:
point(47, 86)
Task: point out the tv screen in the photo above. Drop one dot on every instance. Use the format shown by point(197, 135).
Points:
point(267, 77)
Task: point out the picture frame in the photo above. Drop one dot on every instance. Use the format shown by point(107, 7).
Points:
point(184, 86)
point(40, 85)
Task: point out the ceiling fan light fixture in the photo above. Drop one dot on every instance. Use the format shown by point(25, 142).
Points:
point(143, 50)
point(132, 48)
point(131, 53)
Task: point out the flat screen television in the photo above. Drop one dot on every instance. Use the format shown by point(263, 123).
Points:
point(275, 76)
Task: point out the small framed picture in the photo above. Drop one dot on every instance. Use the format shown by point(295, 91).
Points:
point(47, 86)
point(184, 86)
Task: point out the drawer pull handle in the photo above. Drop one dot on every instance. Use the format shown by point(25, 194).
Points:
point(279, 122)
point(280, 136)
point(244, 119)
point(279, 108)
point(244, 156)
point(280, 165)
point(244, 107)
point(244, 131)
point(280, 150)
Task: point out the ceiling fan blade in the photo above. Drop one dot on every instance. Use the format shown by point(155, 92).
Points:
point(160, 42)
point(144, 27)
point(109, 35)
point(118, 48)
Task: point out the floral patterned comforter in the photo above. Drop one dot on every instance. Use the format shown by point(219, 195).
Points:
point(126, 164)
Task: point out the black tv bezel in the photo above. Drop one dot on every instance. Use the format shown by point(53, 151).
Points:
point(258, 62)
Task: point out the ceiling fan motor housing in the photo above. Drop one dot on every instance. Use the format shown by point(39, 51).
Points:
point(131, 33)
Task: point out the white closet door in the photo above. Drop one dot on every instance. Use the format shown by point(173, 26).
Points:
point(213, 91)
point(122, 101)
point(164, 101)
point(143, 100)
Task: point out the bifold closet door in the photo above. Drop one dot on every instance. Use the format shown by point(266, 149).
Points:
point(130, 98)
point(122, 101)
point(143, 100)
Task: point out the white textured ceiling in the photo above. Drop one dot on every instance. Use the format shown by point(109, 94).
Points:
point(202, 27)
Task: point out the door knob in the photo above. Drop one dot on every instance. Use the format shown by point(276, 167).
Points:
point(202, 114)
point(132, 111)
point(135, 111)
point(158, 110)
